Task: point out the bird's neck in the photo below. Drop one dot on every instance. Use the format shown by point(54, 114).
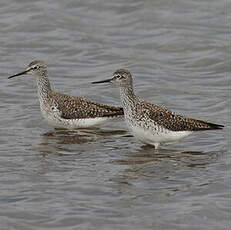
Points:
point(44, 87)
point(128, 98)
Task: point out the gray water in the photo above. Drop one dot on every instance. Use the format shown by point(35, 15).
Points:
point(180, 55)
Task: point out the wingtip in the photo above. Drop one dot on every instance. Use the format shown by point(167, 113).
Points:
point(215, 126)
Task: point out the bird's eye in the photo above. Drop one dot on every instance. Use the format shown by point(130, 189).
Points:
point(119, 76)
point(35, 67)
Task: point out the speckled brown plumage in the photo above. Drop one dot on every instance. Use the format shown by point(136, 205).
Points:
point(80, 108)
point(62, 110)
point(151, 123)
point(172, 121)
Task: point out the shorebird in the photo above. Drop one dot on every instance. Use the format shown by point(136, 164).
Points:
point(62, 110)
point(150, 123)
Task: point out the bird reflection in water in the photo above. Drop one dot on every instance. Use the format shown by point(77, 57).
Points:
point(190, 158)
point(159, 174)
point(63, 141)
point(147, 162)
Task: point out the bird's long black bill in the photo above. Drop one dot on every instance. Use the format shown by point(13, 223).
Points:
point(103, 81)
point(18, 74)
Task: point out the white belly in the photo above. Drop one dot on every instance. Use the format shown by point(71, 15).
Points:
point(55, 120)
point(77, 123)
point(158, 137)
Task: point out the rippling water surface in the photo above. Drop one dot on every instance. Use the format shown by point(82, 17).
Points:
point(179, 53)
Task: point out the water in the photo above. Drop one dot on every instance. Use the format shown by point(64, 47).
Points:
point(179, 54)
